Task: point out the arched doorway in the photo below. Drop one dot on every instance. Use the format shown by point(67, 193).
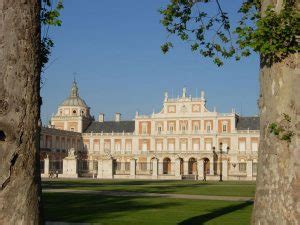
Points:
point(166, 166)
point(181, 166)
point(151, 165)
point(192, 166)
point(206, 167)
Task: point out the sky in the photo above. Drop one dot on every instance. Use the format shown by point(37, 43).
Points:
point(113, 50)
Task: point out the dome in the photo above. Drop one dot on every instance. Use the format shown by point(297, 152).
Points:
point(77, 101)
point(74, 99)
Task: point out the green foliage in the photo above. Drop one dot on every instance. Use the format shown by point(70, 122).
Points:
point(49, 16)
point(282, 129)
point(272, 35)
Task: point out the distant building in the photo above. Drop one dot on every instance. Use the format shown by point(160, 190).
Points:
point(183, 141)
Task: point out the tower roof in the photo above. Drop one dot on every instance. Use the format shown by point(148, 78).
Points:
point(74, 98)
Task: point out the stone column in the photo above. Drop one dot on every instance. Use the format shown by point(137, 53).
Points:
point(132, 168)
point(200, 169)
point(160, 168)
point(107, 168)
point(46, 167)
point(225, 169)
point(177, 169)
point(185, 167)
point(154, 168)
point(70, 167)
point(249, 170)
point(100, 169)
point(211, 167)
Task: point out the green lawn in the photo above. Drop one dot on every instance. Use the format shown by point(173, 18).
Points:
point(143, 210)
point(226, 188)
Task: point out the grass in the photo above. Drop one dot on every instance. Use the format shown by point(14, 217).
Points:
point(98, 209)
point(226, 188)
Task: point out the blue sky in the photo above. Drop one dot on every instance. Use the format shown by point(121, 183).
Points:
point(114, 48)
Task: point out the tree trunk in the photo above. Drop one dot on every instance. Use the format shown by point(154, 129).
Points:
point(20, 192)
point(277, 199)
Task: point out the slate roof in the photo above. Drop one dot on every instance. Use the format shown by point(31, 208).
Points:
point(245, 123)
point(111, 126)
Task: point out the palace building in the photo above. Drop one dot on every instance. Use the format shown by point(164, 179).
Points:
point(185, 140)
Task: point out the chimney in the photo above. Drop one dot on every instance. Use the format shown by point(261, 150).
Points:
point(101, 117)
point(118, 117)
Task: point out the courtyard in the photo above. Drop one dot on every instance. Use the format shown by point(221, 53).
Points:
point(148, 202)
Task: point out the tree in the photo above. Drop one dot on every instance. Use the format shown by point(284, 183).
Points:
point(22, 55)
point(20, 193)
point(269, 27)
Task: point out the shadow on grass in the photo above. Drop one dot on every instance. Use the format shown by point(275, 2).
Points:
point(91, 208)
point(202, 219)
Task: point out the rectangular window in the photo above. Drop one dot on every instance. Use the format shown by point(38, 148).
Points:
point(106, 145)
point(96, 147)
point(144, 128)
point(196, 147)
point(128, 147)
point(254, 168)
point(159, 147)
point(242, 167)
point(242, 146)
point(224, 147)
point(118, 166)
point(183, 146)
point(159, 129)
point(127, 166)
point(208, 128)
point(224, 128)
point(144, 146)
point(171, 146)
point(143, 166)
point(254, 146)
point(117, 146)
point(208, 146)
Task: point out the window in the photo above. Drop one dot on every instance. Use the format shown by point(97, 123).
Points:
point(144, 128)
point(254, 146)
point(196, 146)
point(117, 146)
point(224, 128)
point(208, 128)
point(242, 167)
point(143, 166)
point(159, 129)
point(144, 146)
point(159, 146)
point(72, 129)
point(106, 145)
point(128, 146)
point(118, 166)
point(208, 146)
point(171, 128)
point(196, 127)
point(224, 147)
point(74, 112)
point(171, 146)
point(183, 146)
point(127, 166)
point(242, 146)
point(254, 168)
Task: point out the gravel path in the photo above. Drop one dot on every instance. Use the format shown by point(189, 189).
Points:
point(138, 194)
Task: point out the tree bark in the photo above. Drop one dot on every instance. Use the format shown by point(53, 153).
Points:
point(277, 198)
point(20, 192)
